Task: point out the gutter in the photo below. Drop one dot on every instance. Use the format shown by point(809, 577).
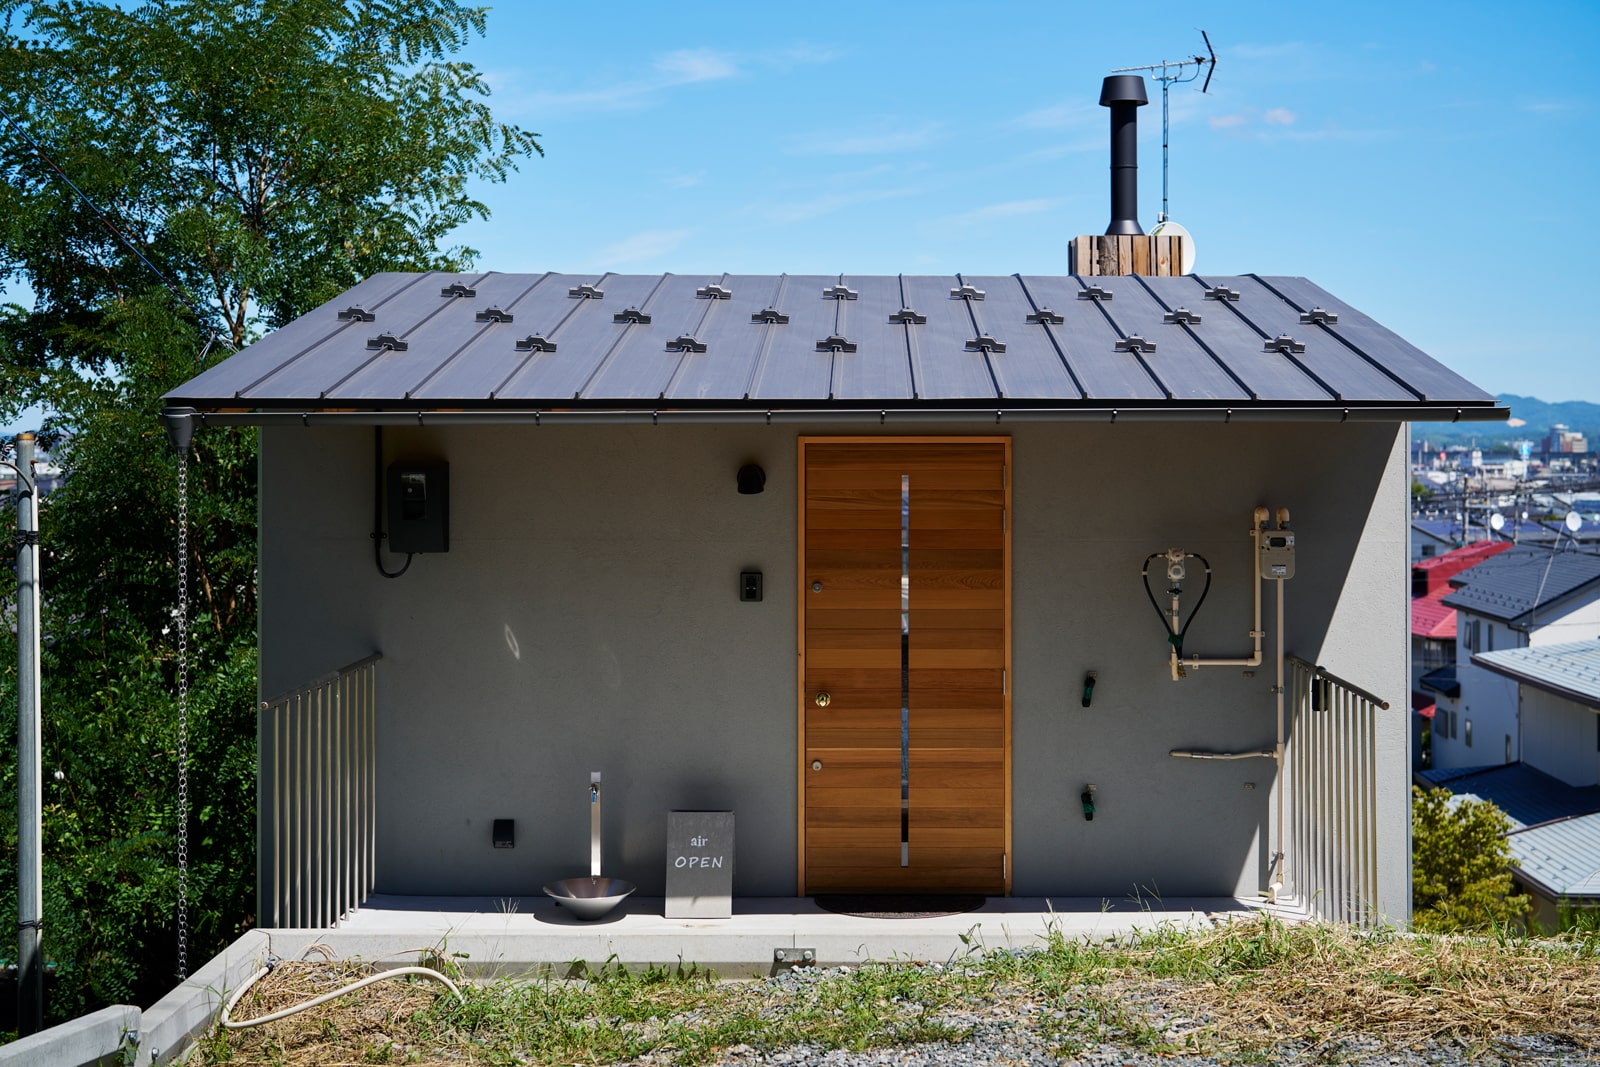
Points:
point(990, 416)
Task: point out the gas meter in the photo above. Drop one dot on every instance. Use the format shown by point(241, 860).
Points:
point(1277, 553)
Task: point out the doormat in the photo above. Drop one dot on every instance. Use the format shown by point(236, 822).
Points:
point(899, 905)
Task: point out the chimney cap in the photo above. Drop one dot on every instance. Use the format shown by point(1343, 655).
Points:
point(1123, 89)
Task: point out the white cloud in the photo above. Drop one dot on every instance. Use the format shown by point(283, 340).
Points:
point(1279, 116)
point(1227, 122)
point(689, 65)
point(1008, 209)
point(871, 142)
point(669, 70)
point(803, 210)
point(647, 244)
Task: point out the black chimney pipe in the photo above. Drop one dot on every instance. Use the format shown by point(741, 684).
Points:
point(1123, 94)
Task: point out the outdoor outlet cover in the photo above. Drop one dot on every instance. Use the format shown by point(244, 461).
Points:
point(750, 585)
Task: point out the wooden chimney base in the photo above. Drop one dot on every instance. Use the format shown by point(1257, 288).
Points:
point(1101, 254)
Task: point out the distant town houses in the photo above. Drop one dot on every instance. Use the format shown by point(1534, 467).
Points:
point(1505, 636)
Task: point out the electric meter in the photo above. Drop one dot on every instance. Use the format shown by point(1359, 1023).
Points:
point(1277, 553)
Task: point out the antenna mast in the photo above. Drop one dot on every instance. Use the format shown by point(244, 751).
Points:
point(1171, 72)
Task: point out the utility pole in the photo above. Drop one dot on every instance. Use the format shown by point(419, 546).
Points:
point(30, 969)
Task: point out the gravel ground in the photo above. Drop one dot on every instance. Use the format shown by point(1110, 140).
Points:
point(1023, 1032)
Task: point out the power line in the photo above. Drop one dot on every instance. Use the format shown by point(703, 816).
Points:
point(105, 220)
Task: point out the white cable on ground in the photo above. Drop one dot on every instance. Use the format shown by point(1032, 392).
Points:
point(229, 1024)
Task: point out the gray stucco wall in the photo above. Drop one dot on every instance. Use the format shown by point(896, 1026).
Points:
point(586, 618)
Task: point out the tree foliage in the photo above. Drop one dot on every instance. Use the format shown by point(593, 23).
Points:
point(1461, 865)
point(238, 164)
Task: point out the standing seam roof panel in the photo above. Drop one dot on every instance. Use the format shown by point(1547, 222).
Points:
point(477, 374)
point(733, 342)
point(445, 328)
point(1409, 362)
point(1089, 343)
point(943, 369)
point(1179, 361)
point(323, 360)
point(1029, 368)
point(1231, 333)
point(1353, 377)
point(793, 369)
point(881, 365)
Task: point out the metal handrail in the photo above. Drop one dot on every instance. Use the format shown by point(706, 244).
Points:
point(321, 680)
point(1319, 672)
point(1331, 765)
point(317, 807)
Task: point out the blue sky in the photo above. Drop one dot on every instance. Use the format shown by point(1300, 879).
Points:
point(1431, 164)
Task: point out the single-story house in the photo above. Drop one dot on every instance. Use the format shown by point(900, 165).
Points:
point(847, 556)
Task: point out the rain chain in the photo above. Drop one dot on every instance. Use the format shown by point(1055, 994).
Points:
point(183, 714)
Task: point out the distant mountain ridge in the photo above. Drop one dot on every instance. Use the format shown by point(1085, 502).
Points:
point(1538, 415)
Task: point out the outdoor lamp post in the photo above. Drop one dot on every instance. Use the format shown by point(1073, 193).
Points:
point(30, 973)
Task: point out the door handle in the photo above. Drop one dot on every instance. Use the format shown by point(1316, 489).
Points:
point(816, 765)
point(822, 699)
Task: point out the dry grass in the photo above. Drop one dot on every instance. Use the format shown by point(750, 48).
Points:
point(1241, 990)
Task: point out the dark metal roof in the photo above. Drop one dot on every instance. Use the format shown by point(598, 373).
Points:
point(1527, 795)
point(1022, 345)
point(1507, 586)
point(1555, 833)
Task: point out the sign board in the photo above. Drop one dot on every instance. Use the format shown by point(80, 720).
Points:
point(699, 865)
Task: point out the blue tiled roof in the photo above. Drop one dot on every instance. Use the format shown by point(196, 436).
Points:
point(1527, 795)
point(1506, 586)
point(1571, 669)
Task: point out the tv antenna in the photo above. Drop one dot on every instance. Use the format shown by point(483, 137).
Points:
point(1170, 72)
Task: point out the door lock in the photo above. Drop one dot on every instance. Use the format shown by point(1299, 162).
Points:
point(822, 699)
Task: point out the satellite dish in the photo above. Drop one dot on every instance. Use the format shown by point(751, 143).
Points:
point(1574, 520)
point(1496, 522)
point(1168, 228)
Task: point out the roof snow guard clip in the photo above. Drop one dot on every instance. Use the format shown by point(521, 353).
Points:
point(984, 343)
point(587, 291)
point(1135, 344)
point(535, 343)
point(1285, 344)
point(1044, 316)
point(770, 316)
point(1094, 292)
point(387, 342)
point(631, 315)
point(495, 314)
point(356, 313)
point(1318, 315)
point(835, 343)
point(907, 317)
point(966, 292)
point(685, 343)
point(1182, 316)
point(839, 292)
point(713, 292)
point(458, 289)
point(1222, 292)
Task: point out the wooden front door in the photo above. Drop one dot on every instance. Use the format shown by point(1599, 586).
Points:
point(905, 714)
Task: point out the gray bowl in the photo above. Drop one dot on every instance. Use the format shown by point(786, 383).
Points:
point(589, 898)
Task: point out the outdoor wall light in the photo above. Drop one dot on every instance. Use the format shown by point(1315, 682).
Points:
point(752, 479)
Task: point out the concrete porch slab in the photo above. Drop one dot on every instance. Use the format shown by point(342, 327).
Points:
point(512, 935)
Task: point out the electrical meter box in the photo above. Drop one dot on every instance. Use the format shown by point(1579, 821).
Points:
point(1277, 553)
point(419, 507)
